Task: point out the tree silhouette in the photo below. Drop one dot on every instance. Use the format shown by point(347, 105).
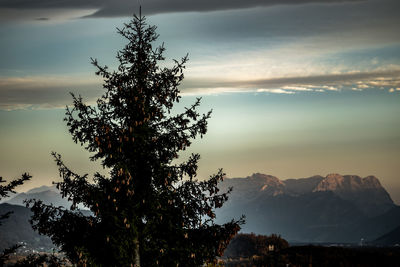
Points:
point(150, 210)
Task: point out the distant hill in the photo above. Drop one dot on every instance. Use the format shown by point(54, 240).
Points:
point(390, 239)
point(32, 191)
point(48, 197)
point(42, 189)
point(334, 208)
point(17, 229)
point(48, 194)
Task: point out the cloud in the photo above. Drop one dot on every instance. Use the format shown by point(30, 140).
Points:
point(116, 8)
point(41, 15)
point(362, 85)
point(45, 92)
point(275, 91)
point(293, 84)
point(53, 91)
point(297, 88)
point(392, 90)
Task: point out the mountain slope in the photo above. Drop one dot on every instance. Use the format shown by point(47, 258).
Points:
point(390, 239)
point(42, 189)
point(48, 194)
point(48, 197)
point(367, 193)
point(17, 229)
point(334, 208)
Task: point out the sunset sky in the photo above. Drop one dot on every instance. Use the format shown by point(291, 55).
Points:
point(297, 87)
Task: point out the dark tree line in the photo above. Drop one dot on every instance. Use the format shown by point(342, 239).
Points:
point(248, 245)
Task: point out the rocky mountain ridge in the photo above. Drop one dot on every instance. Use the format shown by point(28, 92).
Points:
point(367, 193)
point(334, 208)
point(331, 182)
point(337, 182)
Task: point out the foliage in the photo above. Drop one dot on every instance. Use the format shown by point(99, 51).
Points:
point(150, 210)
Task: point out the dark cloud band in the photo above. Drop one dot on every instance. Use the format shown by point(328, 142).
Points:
point(329, 79)
point(115, 8)
point(25, 92)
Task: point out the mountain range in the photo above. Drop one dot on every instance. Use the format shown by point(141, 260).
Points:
point(331, 209)
point(334, 208)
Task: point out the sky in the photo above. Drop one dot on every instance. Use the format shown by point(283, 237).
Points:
point(297, 87)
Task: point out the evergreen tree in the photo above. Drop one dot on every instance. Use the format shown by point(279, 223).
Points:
point(150, 210)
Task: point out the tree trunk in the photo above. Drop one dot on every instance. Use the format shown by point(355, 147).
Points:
point(137, 254)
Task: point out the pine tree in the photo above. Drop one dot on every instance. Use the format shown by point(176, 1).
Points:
point(150, 210)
